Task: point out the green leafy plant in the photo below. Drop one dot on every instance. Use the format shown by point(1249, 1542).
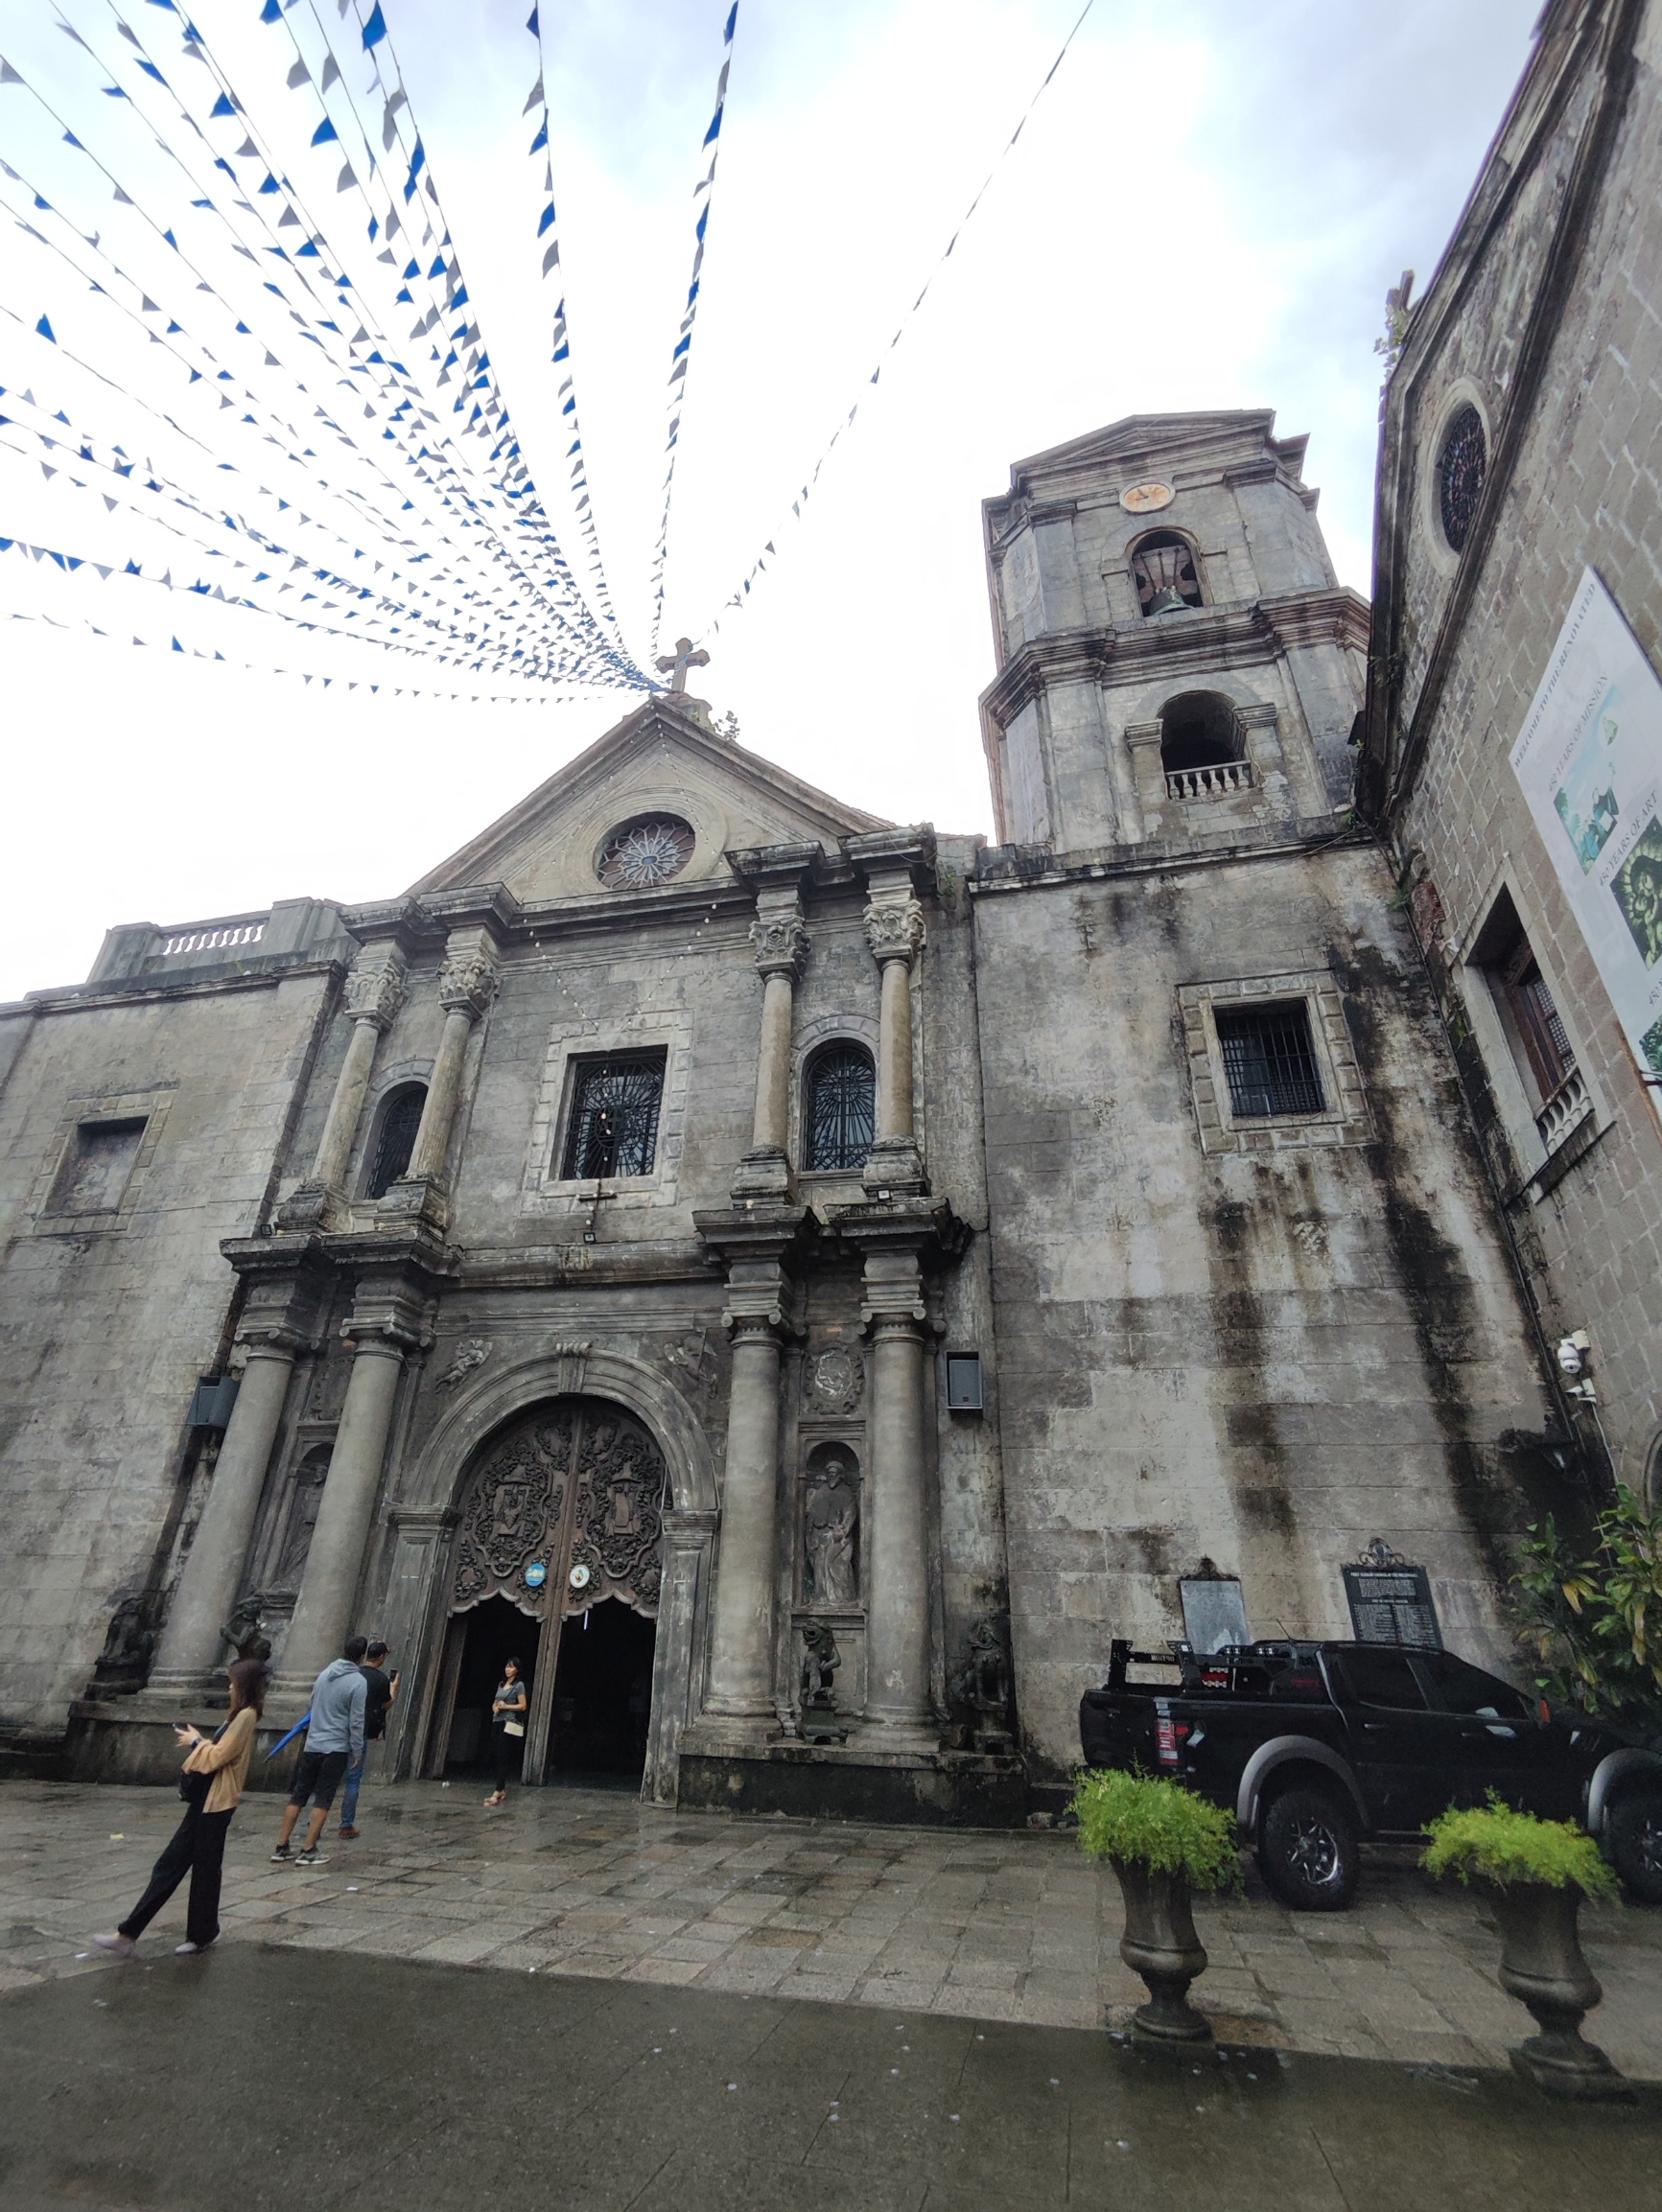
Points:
point(1131, 1817)
point(1494, 1844)
point(1594, 1626)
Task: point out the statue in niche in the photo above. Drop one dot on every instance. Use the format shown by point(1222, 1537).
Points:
point(830, 1533)
point(304, 1502)
point(242, 1632)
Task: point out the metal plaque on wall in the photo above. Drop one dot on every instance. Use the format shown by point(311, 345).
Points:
point(1393, 1605)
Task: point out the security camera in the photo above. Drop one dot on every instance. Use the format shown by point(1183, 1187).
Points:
point(1569, 1356)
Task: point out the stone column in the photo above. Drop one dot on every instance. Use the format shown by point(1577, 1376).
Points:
point(895, 932)
point(386, 1324)
point(193, 1644)
point(897, 1693)
point(1261, 745)
point(741, 1648)
point(781, 944)
point(467, 982)
point(1144, 740)
point(375, 990)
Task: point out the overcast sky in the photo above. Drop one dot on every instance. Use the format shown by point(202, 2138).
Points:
point(1205, 211)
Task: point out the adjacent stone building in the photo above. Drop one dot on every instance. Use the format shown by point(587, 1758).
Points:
point(1521, 460)
point(798, 1282)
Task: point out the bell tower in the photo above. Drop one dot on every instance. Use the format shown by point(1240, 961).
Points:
point(1176, 658)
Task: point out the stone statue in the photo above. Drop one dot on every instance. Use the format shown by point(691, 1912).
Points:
point(820, 1661)
point(831, 1524)
point(122, 1665)
point(242, 1631)
point(985, 1687)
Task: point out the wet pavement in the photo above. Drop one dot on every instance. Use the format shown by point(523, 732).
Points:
point(993, 1926)
point(256, 2078)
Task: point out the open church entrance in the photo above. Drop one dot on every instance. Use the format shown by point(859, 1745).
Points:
point(558, 1563)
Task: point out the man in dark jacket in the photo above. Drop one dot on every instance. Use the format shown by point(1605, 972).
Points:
point(383, 1689)
point(334, 1738)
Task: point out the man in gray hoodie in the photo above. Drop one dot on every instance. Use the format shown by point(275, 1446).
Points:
point(334, 1740)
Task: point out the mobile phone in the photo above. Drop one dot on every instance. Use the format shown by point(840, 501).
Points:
point(184, 1724)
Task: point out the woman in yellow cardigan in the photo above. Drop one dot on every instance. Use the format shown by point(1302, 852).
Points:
point(198, 1847)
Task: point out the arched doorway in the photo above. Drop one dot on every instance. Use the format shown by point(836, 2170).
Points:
point(561, 1523)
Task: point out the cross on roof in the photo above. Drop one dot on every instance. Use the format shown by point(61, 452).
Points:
point(680, 661)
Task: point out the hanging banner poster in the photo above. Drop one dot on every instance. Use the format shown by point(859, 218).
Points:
point(1590, 764)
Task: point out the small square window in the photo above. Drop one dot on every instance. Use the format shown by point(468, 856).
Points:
point(1270, 1062)
point(613, 1130)
point(95, 1172)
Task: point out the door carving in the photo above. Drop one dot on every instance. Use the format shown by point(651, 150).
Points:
point(576, 1486)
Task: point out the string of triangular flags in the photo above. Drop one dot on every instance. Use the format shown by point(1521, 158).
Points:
point(741, 597)
point(493, 563)
point(681, 353)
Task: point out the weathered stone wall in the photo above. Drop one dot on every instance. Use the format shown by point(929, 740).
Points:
point(1263, 1355)
point(1584, 490)
point(107, 1325)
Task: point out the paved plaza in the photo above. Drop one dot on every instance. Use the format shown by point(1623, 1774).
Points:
point(984, 1925)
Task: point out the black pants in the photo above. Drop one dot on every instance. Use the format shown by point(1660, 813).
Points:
point(510, 1755)
point(197, 1849)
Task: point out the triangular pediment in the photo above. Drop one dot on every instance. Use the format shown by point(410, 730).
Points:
point(662, 759)
point(1153, 442)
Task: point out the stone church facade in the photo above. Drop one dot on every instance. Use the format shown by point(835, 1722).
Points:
point(801, 1284)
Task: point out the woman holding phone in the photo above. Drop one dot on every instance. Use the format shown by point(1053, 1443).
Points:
point(508, 1719)
point(212, 1787)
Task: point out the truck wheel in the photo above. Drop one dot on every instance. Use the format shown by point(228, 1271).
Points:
point(1307, 1851)
point(1634, 1829)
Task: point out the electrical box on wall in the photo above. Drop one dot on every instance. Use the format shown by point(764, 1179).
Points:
point(964, 1394)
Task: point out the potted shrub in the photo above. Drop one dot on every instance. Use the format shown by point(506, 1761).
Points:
point(1534, 1874)
point(1162, 1843)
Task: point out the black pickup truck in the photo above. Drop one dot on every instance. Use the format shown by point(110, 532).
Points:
point(1314, 1746)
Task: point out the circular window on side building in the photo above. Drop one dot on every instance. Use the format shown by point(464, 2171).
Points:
point(647, 850)
point(1461, 468)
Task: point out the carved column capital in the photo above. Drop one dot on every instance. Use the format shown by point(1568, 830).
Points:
point(470, 973)
point(780, 943)
point(894, 928)
point(377, 986)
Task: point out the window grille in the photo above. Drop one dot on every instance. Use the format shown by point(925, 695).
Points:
point(842, 1109)
point(1270, 1062)
point(614, 1128)
point(1546, 1041)
point(398, 1126)
point(1461, 468)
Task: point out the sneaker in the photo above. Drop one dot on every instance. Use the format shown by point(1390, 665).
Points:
point(123, 1946)
point(191, 1950)
point(312, 1858)
point(282, 1857)
point(350, 1833)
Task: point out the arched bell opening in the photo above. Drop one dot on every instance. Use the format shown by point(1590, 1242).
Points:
point(560, 1519)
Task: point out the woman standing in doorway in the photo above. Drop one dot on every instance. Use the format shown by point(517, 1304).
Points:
point(212, 1787)
point(508, 1719)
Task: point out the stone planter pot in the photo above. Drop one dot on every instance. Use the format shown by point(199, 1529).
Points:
point(1161, 1944)
point(1542, 1965)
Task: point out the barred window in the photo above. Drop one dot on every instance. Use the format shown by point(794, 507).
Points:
point(399, 1124)
point(613, 1126)
point(1270, 1062)
point(842, 1108)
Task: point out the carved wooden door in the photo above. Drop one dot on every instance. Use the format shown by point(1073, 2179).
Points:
point(576, 1488)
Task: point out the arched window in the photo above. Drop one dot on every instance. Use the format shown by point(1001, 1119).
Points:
point(842, 1108)
point(1198, 731)
point(400, 1119)
point(1162, 569)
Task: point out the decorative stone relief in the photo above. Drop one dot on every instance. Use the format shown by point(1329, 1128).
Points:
point(471, 1353)
point(619, 1529)
point(894, 928)
point(304, 1500)
point(780, 943)
point(833, 1381)
point(468, 980)
point(514, 1510)
point(693, 1365)
point(377, 988)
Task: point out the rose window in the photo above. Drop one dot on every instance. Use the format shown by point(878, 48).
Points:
point(645, 853)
